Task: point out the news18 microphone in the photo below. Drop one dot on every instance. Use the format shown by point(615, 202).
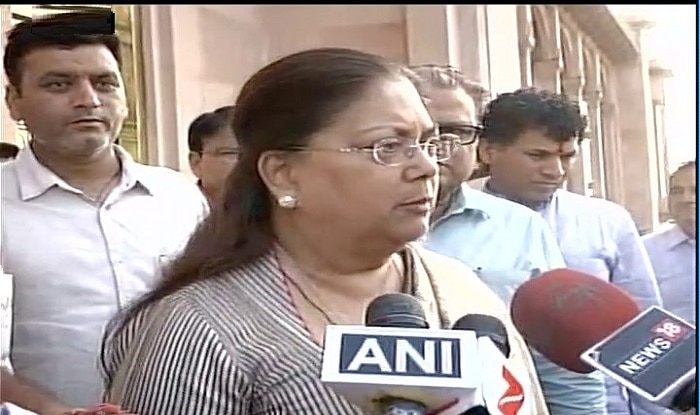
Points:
point(568, 315)
point(396, 364)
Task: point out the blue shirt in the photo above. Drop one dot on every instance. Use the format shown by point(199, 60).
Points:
point(673, 257)
point(599, 237)
point(507, 244)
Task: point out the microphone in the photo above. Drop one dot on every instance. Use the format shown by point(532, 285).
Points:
point(396, 364)
point(488, 327)
point(400, 311)
point(503, 392)
point(583, 323)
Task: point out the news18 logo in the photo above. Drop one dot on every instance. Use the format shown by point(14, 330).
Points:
point(670, 330)
point(665, 335)
point(400, 356)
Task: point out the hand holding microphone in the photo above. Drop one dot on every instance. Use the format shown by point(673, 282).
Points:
point(583, 323)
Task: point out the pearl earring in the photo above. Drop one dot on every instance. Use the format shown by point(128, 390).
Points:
point(288, 201)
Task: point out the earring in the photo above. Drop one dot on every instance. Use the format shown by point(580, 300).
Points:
point(288, 201)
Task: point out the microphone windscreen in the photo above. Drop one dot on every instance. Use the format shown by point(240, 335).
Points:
point(485, 325)
point(562, 312)
point(395, 310)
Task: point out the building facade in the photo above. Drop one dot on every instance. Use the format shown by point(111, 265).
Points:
point(183, 60)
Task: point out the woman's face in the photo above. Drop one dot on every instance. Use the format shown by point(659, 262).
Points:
point(352, 195)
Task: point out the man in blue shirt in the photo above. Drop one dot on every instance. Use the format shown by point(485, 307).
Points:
point(504, 242)
point(529, 140)
point(673, 250)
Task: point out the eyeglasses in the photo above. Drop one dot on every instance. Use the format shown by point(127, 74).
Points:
point(228, 153)
point(390, 151)
point(453, 136)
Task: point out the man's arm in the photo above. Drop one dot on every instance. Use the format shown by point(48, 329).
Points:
point(14, 390)
point(631, 270)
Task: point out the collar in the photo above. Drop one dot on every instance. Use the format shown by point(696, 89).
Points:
point(675, 236)
point(536, 206)
point(466, 199)
point(34, 179)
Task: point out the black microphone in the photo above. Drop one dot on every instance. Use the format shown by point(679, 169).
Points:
point(485, 326)
point(501, 390)
point(400, 311)
point(395, 310)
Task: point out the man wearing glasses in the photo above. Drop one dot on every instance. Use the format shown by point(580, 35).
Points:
point(504, 242)
point(213, 150)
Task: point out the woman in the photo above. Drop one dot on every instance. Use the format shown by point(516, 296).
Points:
point(336, 177)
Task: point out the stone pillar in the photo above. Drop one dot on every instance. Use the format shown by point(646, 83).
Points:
point(593, 96)
point(636, 122)
point(657, 76)
point(547, 62)
point(504, 56)
point(165, 147)
point(469, 37)
point(593, 102)
point(580, 178)
point(7, 128)
point(611, 145)
point(526, 43)
point(472, 35)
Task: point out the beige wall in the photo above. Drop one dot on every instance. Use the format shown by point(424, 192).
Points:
point(638, 158)
point(198, 57)
point(7, 126)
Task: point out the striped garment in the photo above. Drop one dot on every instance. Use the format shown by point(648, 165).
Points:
point(235, 345)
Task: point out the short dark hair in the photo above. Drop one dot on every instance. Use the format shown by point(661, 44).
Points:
point(512, 114)
point(54, 31)
point(207, 125)
point(686, 165)
point(8, 150)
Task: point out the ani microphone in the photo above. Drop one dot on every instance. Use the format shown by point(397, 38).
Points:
point(396, 364)
point(583, 323)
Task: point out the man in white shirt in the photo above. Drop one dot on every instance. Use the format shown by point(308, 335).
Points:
point(85, 229)
point(529, 141)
